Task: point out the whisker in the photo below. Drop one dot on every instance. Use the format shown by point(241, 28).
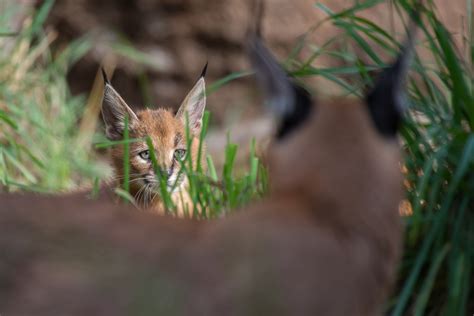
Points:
point(138, 194)
point(123, 177)
point(132, 174)
point(136, 180)
point(148, 192)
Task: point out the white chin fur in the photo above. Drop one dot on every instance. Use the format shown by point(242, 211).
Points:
point(170, 185)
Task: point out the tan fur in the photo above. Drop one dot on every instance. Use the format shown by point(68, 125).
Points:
point(324, 242)
point(168, 135)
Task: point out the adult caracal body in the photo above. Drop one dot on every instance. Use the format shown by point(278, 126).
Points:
point(326, 240)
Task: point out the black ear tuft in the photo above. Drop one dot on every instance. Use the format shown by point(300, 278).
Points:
point(386, 100)
point(299, 113)
point(104, 76)
point(386, 104)
point(204, 70)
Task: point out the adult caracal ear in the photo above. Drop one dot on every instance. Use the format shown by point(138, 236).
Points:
point(386, 100)
point(290, 102)
point(325, 241)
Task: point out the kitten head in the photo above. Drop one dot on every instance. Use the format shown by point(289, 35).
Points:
point(167, 132)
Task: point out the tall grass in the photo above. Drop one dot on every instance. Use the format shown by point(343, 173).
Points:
point(38, 115)
point(435, 277)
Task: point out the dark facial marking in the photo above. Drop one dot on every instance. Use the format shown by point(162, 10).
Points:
point(384, 105)
point(298, 115)
point(386, 101)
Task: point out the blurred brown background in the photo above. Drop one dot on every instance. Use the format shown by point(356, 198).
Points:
point(180, 36)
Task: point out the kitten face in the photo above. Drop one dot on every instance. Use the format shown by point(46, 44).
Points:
point(167, 133)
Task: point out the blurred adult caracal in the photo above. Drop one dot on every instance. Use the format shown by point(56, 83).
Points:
point(325, 241)
point(168, 136)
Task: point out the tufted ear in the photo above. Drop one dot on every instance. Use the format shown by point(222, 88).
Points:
point(114, 111)
point(289, 102)
point(387, 100)
point(194, 105)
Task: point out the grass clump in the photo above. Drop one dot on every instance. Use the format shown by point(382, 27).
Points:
point(212, 195)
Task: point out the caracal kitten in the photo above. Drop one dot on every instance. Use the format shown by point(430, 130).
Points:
point(167, 132)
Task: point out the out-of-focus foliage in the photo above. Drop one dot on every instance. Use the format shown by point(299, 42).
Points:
point(38, 116)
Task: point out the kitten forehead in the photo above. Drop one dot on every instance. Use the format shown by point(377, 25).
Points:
point(163, 128)
point(159, 123)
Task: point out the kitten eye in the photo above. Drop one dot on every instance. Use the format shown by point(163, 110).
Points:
point(179, 154)
point(145, 155)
